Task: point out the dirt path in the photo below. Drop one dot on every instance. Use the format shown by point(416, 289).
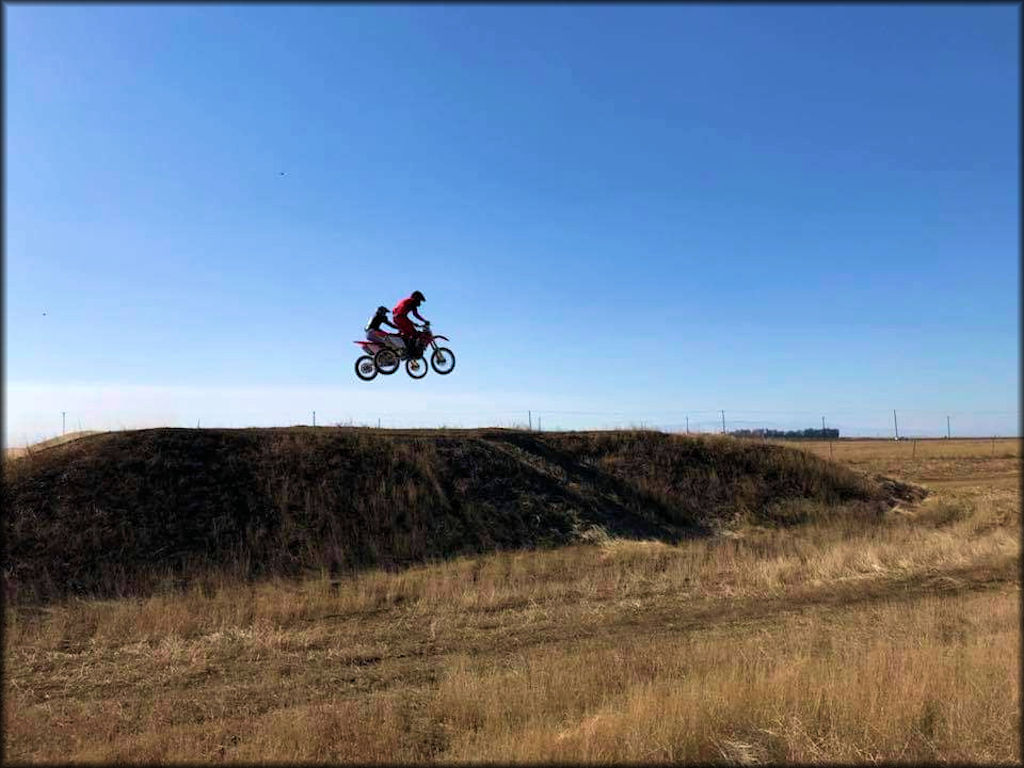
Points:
point(998, 480)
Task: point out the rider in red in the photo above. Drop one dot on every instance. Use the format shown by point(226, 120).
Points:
point(400, 316)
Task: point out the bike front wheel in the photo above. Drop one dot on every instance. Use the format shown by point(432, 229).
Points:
point(443, 360)
point(365, 369)
point(416, 367)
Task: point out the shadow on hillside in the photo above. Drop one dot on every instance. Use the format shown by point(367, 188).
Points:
point(618, 507)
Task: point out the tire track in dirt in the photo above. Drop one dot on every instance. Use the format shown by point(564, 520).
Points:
point(664, 615)
point(419, 657)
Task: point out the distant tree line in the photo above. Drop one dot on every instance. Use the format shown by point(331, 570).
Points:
point(789, 434)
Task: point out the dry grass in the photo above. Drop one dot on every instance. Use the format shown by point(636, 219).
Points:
point(806, 688)
point(832, 642)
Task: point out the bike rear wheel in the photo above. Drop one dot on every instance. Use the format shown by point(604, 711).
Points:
point(365, 368)
point(443, 360)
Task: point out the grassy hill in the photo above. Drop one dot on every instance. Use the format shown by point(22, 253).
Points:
point(123, 513)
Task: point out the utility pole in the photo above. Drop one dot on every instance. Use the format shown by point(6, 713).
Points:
point(314, 418)
point(823, 425)
point(687, 424)
point(895, 424)
point(529, 419)
point(723, 422)
point(378, 422)
point(947, 427)
point(63, 422)
point(538, 423)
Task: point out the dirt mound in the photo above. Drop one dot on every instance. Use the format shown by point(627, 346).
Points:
point(121, 513)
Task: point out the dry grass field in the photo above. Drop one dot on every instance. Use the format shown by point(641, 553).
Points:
point(839, 640)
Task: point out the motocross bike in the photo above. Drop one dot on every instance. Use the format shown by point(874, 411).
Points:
point(387, 359)
point(366, 369)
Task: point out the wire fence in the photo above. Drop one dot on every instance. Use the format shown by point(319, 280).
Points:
point(911, 423)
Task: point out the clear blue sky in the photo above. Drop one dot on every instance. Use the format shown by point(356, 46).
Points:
point(618, 214)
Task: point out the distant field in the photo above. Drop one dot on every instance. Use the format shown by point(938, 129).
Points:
point(933, 463)
point(836, 640)
point(937, 448)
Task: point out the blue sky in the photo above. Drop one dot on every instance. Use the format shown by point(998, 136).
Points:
point(618, 214)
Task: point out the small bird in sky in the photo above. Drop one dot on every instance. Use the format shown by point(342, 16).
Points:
point(281, 173)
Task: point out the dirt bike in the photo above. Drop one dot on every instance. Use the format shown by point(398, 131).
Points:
point(385, 357)
point(366, 369)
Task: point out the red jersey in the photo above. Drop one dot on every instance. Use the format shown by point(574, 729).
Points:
point(404, 307)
